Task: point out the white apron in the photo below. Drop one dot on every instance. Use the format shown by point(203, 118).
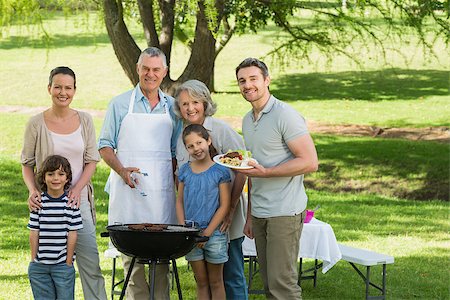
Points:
point(144, 142)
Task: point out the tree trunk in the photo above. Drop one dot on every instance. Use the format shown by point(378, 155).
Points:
point(167, 8)
point(201, 62)
point(125, 48)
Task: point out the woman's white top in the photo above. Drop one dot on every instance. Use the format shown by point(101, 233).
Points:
point(71, 146)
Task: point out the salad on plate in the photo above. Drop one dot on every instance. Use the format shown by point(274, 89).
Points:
point(237, 159)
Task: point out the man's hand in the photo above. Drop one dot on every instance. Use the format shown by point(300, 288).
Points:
point(227, 221)
point(248, 229)
point(257, 171)
point(111, 160)
point(125, 173)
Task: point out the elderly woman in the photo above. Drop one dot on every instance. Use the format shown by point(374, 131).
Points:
point(70, 133)
point(195, 106)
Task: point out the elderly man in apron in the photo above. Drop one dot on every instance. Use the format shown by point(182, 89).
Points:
point(139, 136)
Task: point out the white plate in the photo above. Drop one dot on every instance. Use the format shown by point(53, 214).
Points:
point(216, 159)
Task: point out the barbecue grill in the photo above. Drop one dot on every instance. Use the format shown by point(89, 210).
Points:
point(152, 244)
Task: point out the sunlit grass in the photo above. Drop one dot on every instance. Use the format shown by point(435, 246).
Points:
point(415, 233)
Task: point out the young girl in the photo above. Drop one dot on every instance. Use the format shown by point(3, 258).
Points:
point(204, 197)
point(53, 233)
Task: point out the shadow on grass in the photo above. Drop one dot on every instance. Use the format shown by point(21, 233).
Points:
point(388, 84)
point(390, 167)
point(55, 41)
point(14, 278)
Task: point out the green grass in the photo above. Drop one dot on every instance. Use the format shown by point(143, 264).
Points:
point(415, 233)
point(361, 185)
point(369, 189)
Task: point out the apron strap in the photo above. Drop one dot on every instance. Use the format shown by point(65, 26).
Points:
point(132, 98)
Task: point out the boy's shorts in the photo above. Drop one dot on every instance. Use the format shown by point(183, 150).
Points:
point(215, 250)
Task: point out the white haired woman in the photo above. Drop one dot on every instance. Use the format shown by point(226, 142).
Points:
point(195, 106)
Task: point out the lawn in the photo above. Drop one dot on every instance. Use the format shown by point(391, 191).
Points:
point(383, 195)
point(414, 232)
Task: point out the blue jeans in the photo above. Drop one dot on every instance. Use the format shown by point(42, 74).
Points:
point(233, 272)
point(52, 281)
point(215, 250)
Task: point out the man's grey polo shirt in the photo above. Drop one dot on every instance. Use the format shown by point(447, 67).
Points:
point(267, 138)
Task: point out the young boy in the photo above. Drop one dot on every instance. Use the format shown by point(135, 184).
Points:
point(53, 233)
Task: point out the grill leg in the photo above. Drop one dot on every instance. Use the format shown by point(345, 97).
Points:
point(133, 260)
point(113, 278)
point(152, 280)
point(177, 279)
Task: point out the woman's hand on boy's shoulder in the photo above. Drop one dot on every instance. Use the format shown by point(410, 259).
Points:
point(34, 200)
point(74, 196)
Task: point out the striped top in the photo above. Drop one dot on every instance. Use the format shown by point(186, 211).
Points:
point(54, 221)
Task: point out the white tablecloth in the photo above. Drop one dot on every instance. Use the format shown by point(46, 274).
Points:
point(317, 241)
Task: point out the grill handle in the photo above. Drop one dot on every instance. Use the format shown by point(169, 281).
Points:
point(104, 234)
point(201, 239)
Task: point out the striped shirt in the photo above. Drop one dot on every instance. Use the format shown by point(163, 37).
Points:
point(54, 221)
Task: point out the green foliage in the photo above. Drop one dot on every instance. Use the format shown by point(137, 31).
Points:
point(358, 27)
point(18, 12)
point(212, 16)
point(251, 15)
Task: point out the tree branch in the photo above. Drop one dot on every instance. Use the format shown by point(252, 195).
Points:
point(167, 8)
point(123, 43)
point(148, 22)
point(226, 36)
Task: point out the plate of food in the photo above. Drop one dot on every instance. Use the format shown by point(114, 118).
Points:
point(235, 159)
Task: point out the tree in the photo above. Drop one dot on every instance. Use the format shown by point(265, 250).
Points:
point(203, 49)
point(206, 26)
point(337, 26)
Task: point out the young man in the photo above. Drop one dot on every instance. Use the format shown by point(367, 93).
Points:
point(278, 138)
point(139, 134)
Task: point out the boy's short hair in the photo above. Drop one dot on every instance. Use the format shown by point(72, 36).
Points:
point(51, 164)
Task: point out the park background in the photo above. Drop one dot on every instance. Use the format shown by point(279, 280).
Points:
point(387, 195)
